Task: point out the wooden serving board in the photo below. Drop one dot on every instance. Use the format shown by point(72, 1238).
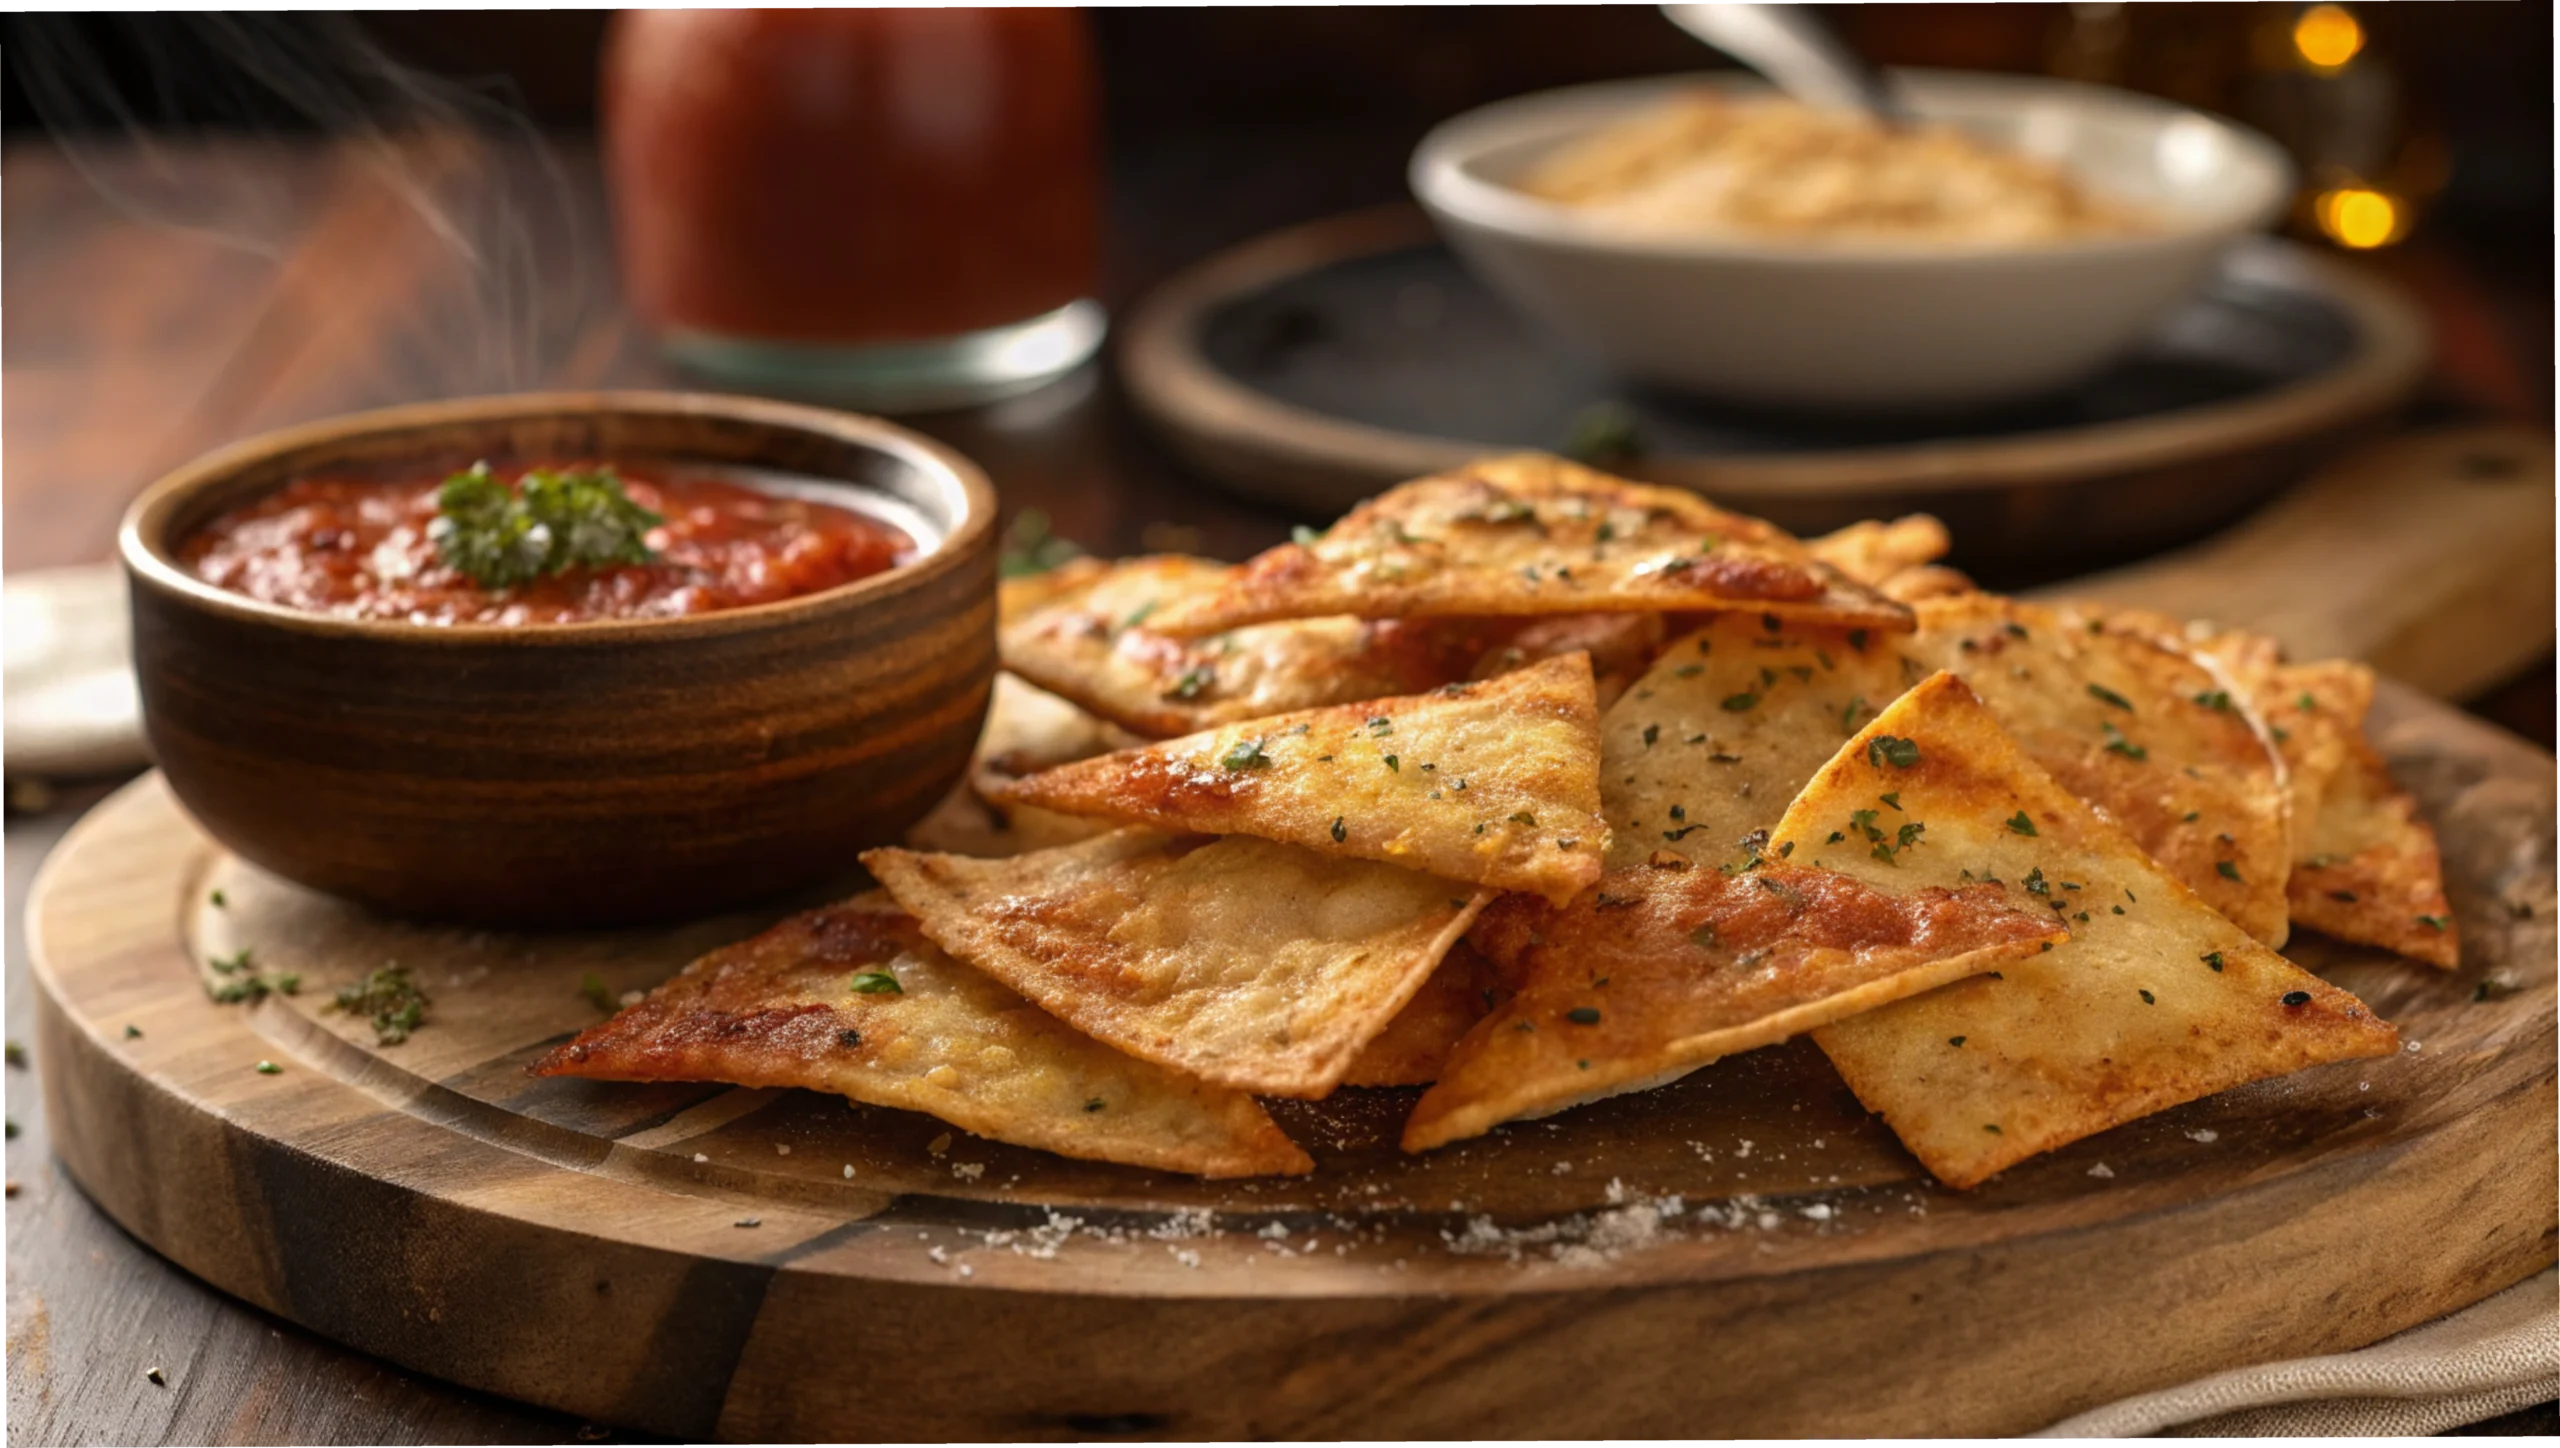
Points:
point(699, 1261)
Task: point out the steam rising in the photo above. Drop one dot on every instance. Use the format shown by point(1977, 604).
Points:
point(344, 167)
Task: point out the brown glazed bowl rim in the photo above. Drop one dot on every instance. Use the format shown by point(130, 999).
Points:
point(143, 540)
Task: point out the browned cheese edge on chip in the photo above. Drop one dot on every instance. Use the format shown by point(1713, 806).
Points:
point(852, 999)
point(1242, 961)
point(1667, 967)
point(1533, 534)
point(2373, 874)
point(2154, 1001)
point(1493, 782)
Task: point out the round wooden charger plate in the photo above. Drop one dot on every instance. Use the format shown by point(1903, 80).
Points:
point(650, 1255)
point(1315, 365)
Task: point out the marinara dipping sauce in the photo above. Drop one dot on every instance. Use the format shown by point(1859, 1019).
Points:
point(360, 548)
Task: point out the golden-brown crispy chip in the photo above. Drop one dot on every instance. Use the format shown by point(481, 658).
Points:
point(1732, 720)
point(1927, 581)
point(853, 999)
point(1416, 1044)
point(2315, 714)
point(2136, 730)
point(1871, 552)
point(1088, 641)
point(1019, 595)
point(1489, 782)
point(2370, 873)
point(1245, 962)
point(1533, 535)
point(1028, 729)
point(1665, 968)
point(2156, 999)
point(1729, 723)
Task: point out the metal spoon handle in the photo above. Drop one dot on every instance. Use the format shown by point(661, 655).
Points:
point(1792, 47)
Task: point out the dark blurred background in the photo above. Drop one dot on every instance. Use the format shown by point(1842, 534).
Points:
point(2464, 121)
point(2447, 112)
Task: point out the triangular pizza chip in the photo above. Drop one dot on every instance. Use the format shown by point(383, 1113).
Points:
point(1242, 961)
point(1871, 552)
point(2315, 714)
point(2156, 999)
point(1493, 783)
point(2370, 873)
point(1714, 739)
point(1668, 967)
point(853, 999)
point(1533, 535)
point(1088, 640)
point(2140, 731)
point(1733, 719)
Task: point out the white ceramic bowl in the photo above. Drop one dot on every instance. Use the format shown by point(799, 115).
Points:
point(1866, 326)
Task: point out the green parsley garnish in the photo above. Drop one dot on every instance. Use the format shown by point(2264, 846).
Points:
point(2432, 922)
point(550, 522)
point(269, 1068)
point(1194, 682)
point(219, 900)
point(2147, 998)
point(390, 1000)
point(2020, 824)
point(874, 982)
point(2118, 744)
point(1737, 703)
point(2226, 869)
point(1652, 732)
point(2105, 695)
point(1338, 832)
point(1304, 536)
point(1583, 1016)
point(598, 994)
point(2215, 699)
point(1247, 754)
point(2212, 958)
point(1900, 753)
point(243, 982)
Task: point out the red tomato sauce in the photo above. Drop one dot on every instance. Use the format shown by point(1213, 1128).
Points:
point(358, 548)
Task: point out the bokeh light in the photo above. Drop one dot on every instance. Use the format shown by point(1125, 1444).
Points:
point(2327, 37)
point(2358, 217)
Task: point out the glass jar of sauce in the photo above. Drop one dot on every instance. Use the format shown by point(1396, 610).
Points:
point(890, 208)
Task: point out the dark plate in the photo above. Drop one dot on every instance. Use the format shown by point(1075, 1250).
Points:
point(1313, 366)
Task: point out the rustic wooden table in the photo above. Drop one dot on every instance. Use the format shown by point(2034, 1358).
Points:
point(164, 301)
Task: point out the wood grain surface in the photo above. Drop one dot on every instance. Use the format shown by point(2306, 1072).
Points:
point(687, 1259)
point(139, 336)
